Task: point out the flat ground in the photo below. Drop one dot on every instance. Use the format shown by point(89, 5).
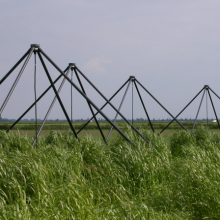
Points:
point(92, 129)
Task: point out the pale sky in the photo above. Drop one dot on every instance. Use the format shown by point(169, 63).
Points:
point(172, 47)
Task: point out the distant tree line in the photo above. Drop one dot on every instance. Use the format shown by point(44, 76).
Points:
point(103, 120)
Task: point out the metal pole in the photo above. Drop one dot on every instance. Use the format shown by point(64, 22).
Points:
point(50, 108)
point(91, 101)
point(119, 109)
point(110, 104)
point(11, 70)
point(182, 111)
point(102, 107)
point(214, 93)
point(90, 107)
point(40, 97)
point(16, 80)
point(160, 104)
point(198, 111)
point(144, 106)
point(57, 95)
point(214, 109)
point(78, 89)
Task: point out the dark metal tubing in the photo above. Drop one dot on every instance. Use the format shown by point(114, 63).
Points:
point(144, 106)
point(57, 95)
point(50, 108)
point(90, 106)
point(182, 111)
point(198, 111)
point(40, 97)
point(160, 104)
point(102, 107)
point(214, 109)
point(11, 70)
point(78, 89)
point(119, 108)
point(214, 92)
point(16, 80)
point(111, 104)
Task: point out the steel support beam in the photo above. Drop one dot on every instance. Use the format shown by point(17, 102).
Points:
point(14, 67)
point(16, 80)
point(160, 104)
point(144, 106)
point(198, 111)
point(214, 109)
point(32, 105)
point(90, 107)
point(181, 111)
point(119, 109)
point(103, 106)
point(57, 95)
point(79, 90)
point(49, 110)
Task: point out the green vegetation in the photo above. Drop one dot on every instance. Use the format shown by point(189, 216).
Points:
point(104, 125)
point(62, 178)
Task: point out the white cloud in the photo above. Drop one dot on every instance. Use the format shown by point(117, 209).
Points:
point(98, 65)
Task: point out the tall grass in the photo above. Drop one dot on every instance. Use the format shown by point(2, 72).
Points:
point(66, 179)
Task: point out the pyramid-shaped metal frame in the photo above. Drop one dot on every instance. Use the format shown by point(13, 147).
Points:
point(133, 81)
point(206, 89)
point(35, 48)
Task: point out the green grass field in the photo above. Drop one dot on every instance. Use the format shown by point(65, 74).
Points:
point(176, 176)
point(91, 128)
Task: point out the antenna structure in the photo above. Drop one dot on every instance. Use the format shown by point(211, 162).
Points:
point(135, 85)
point(205, 90)
point(37, 50)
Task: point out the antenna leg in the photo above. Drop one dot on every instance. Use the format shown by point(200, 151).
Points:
point(181, 111)
point(90, 106)
point(16, 80)
point(198, 111)
point(214, 109)
point(57, 95)
point(14, 67)
point(102, 106)
point(119, 108)
point(144, 106)
point(49, 110)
